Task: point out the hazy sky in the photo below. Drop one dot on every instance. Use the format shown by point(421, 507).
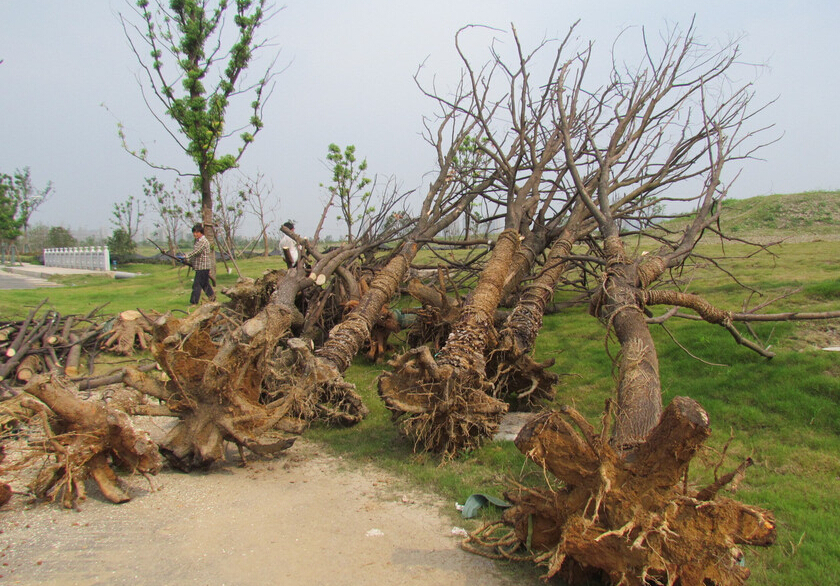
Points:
point(349, 80)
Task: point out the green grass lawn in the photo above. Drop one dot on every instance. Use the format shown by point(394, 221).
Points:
point(784, 413)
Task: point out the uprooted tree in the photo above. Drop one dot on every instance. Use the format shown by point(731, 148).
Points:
point(85, 440)
point(445, 403)
point(240, 381)
point(622, 509)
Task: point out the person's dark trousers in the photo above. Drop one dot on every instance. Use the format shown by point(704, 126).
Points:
point(201, 282)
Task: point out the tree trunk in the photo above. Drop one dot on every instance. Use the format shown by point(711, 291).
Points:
point(207, 214)
point(517, 378)
point(347, 338)
point(618, 303)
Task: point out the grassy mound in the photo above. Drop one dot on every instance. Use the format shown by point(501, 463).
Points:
point(814, 215)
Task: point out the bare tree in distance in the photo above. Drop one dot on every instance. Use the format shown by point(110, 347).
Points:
point(228, 215)
point(258, 200)
point(170, 215)
point(126, 215)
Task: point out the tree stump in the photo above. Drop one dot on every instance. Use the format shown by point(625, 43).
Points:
point(86, 440)
point(130, 329)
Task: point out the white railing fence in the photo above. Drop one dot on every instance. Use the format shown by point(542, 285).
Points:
point(91, 258)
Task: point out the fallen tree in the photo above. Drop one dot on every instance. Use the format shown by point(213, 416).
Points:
point(628, 520)
point(445, 403)
point(622, 510)
point(232, 381)
point(217, 371)
point(85, 440)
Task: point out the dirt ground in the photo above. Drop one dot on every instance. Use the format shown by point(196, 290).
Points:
point(307, 517)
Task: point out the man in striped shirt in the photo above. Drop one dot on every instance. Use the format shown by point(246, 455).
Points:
point(200, 260)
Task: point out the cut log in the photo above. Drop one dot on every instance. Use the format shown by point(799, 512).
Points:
point(29, 367)
point(74, 357)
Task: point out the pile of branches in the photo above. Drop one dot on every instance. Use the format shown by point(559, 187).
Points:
point(51, 342)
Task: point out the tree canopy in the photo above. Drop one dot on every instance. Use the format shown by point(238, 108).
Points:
point(194, 69)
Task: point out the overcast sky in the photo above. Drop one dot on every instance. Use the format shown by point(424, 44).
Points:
point(349, 80)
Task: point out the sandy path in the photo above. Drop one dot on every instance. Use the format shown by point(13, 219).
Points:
point(305, 518)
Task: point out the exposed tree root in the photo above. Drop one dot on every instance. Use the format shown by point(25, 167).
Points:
point(627, 515)
point(249, 296)
point(435, 317)
point(86, 439)
point(313, 388)
point(519, 380)
point(440, 408)
point(216, 369)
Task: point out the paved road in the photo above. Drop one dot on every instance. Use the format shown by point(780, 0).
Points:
point(29, 276)
point(19, 281)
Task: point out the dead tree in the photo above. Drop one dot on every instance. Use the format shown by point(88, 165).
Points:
point(622, 509)
point(445, 403)
point(457, 184)
point(257, 199)
point(515, 376)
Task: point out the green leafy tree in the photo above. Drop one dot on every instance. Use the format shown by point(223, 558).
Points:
point(348, 187)
point(59, 237)
point(10, 223)
point(195, 54)
point(127, 216)
point(120, 243)
point(29, 198)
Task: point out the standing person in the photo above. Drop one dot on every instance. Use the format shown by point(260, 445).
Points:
point(291, 254)
point(199, 258)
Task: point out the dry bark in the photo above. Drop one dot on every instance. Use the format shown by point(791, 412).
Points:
point(346, 338)
point(618, 303)
point(86, 439)
point(517, 378)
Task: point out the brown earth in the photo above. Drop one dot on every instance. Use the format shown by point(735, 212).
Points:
point(307, 517)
